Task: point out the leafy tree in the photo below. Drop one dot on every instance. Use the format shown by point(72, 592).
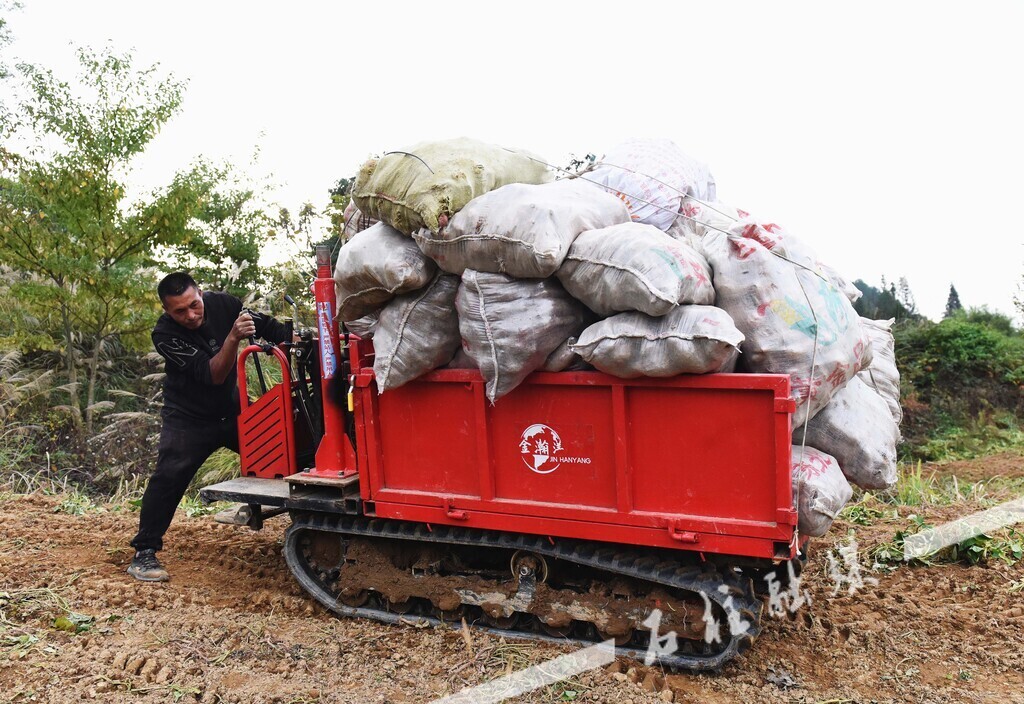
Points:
point(906, 297)
point(301, 233)
point(5, 40)
point(291, 278)
point(340, 229)
point(880, 303)
point(1018, 300)
point(342, 188)
point(5, 31)
point(300, 229)
point(84, 251)
point(223, 251)
point(298, 235)
point(953, 305)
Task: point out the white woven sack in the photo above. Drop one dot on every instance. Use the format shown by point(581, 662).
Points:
point(696, 220)
point(354, 222)
point(564, 359)
point(883, 376)
point(795, 321)
point(800, 251)
point(688, 340)
point(363, 327)
point(842, 283)
point(634, 267)
point(376, 265)
point(417, 332)
point(857, 429)
point(461, 360)
point(521, 230)
point(510, 326)
point(819, 490)
point(653, 178)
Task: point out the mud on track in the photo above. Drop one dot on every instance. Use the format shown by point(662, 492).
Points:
point(232, 626)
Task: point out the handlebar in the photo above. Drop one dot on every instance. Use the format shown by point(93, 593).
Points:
point(243, 383)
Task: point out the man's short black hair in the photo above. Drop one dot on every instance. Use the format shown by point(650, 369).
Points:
point(175, 284)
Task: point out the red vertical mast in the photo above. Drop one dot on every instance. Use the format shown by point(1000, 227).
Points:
point(335, 457)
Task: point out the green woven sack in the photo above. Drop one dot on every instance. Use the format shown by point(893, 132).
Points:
point(425, 185)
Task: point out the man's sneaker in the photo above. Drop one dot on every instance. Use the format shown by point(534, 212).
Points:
point(147, 568)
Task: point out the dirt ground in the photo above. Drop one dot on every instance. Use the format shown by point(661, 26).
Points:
point(232, 626)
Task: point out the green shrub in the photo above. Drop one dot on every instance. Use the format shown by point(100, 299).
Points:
point(984, 316)
point(961, 385)
point(952, 354)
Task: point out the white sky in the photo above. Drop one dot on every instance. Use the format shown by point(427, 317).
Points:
point(888, 135)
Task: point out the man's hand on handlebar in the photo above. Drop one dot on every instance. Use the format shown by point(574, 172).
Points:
point(244, 327)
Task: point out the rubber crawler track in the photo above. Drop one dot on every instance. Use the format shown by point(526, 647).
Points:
point(612, 559)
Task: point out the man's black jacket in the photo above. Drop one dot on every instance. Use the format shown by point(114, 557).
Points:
point(189, 391)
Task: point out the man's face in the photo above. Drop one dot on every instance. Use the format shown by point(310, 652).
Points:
point(187, 309)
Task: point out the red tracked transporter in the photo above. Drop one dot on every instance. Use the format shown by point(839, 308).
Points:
point(571, 509)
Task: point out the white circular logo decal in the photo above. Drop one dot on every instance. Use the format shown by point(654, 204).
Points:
point(538, 449)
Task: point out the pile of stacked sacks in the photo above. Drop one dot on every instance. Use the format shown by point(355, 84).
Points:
point(479, 257)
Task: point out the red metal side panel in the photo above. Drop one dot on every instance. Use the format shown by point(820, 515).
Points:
point(266, 445)
point(581, 472)
point(426, 445)
point(605, 532)
point(698, 462)
point(263, 437)
point(705, 452)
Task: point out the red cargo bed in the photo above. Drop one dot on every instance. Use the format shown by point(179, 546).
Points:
point(693, 462)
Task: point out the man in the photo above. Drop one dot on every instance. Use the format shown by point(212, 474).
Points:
point(198, 336)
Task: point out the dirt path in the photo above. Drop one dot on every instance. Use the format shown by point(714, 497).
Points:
point(1008, 465)
point(232, 626)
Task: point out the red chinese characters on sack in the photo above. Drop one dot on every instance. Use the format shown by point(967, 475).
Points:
point(814, 465)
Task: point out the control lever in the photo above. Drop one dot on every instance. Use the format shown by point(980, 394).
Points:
point(295, 306)
point(304, 367)
point(256, 358)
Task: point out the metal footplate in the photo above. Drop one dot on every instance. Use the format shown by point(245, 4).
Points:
point(269, 497)
point(248, 490)
point(731, 611)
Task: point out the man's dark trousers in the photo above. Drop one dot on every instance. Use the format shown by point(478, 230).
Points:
point(185, 444)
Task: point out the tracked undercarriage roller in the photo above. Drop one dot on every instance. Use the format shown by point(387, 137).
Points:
point(522, 586)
